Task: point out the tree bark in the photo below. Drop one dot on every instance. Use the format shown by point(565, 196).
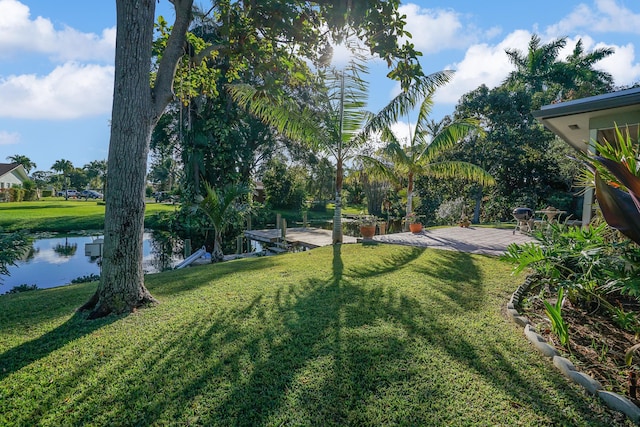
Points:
point(136, 109)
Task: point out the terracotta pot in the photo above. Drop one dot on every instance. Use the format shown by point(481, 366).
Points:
point(415, 227)
point(368, 231)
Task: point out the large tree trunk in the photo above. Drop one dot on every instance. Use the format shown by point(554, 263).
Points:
point(136, 109)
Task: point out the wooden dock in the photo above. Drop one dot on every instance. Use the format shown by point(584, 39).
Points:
point(307, 237)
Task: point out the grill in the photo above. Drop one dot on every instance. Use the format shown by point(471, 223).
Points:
point(524, 220)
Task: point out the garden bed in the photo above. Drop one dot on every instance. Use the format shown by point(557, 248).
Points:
point(597, 344)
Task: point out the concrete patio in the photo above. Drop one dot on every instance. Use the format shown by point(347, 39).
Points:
point(477, 240)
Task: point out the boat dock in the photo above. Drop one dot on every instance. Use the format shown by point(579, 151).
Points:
point(307, 237)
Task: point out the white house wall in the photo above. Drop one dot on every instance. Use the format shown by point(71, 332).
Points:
point(9, 180)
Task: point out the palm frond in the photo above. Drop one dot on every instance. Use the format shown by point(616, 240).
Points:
point(287, 117)
point(378, 168)
point(459, 170)
point(448, 137)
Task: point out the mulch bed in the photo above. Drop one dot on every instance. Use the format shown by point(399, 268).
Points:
point(597, 345)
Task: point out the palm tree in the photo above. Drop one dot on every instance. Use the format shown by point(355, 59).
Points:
point(539, 67)
point(62, 166)
point(26, 162)
point(580, 79)
point(341, 124)
point(422, 153)
point(219, 207)
point(97, 172)
point(540, 70)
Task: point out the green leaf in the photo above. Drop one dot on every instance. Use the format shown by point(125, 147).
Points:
point(618, 209)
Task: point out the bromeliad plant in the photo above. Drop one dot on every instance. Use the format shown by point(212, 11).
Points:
point(616, 176)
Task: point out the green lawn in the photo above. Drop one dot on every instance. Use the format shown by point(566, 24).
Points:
point(63, 215)
point(371, 335)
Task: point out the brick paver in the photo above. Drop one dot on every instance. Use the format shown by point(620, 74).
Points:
point(477, 240)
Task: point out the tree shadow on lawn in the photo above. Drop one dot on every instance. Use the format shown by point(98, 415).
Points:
point(460, 279)
point(15, 358)
point(177, 281)
point(340, 349)
point(337, 350)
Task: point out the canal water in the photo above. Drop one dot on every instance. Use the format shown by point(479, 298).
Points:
point(56, 261)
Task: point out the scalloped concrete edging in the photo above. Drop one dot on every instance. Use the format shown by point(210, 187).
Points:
point(614, 401)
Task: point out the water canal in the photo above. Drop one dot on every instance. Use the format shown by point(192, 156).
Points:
point(56, 261)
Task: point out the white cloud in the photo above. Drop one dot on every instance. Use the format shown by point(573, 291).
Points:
point(608, 16)
point(402, 131)
point(69, 91)
point(8, 138)
point(482, 64)
point(622, 65)
point(19, 34)
point(435, 30)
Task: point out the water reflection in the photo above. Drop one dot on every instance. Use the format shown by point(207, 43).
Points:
point(66, 250)
point(57, 261)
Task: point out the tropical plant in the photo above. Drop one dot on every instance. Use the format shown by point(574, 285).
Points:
point(367, 220)
point(615, 173)
point(220, 206)
point(12, 247)
point(340, 124)
point(62, 166)
point(578, 76)
point(422, 153)
point(300, 25)
point(558, 325)
point(96, 171)
point(26, 162)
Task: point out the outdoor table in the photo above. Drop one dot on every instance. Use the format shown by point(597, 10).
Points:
point(551, 214)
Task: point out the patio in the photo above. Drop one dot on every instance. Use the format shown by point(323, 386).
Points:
point(477, 240)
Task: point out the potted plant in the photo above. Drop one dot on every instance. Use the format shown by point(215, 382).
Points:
point(367, 225)
point(415, 226)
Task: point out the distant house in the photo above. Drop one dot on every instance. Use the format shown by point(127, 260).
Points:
point(581, 121)
point(11, 175)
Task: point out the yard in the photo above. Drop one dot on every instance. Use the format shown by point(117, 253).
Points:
point(63, 215)
point(369, 335)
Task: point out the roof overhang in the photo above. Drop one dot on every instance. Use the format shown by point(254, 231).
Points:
point(574, 120)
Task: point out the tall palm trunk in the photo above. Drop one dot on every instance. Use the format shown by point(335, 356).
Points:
point(217, 254)
point(337, 213)
point(409, 208)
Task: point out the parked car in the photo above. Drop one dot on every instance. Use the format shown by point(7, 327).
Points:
point(67, 193)
point(90, 194)
point(165, 196)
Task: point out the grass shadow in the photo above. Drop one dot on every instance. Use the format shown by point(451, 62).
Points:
point(331, 349)
point(17, 357)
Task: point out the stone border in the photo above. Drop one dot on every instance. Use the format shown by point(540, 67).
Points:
point(614, 401)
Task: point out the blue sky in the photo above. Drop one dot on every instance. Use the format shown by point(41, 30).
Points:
point(56, 60)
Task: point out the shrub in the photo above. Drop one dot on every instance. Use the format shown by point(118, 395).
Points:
point(88, 278)
point(16, 194)
point(23, 288)
point(451, 211)
point(592, 266)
